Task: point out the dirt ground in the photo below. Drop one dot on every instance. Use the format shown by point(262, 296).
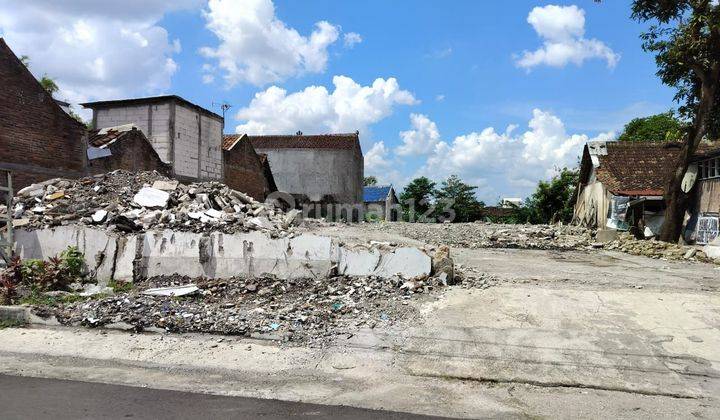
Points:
point(560, 334)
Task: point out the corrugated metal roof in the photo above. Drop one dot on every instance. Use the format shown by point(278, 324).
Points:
point(376, 193)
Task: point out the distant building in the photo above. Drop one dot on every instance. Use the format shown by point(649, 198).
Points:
point(38, 139)
point(245, 170)
point(122, 147)
point(510, 202)
point(184, 135)
point(315, 168)
point(381, 199)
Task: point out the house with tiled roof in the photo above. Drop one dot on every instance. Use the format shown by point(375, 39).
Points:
point(381, 201)
point(621, 184)
point(326, 168)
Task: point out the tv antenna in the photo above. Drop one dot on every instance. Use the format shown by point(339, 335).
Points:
point(224, 106)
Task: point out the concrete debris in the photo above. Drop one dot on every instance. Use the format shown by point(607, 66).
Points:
point(184, 290)
point(151, 198)
point(309, 310)
point(656, 249)
point(442, 264)
point(131, 202)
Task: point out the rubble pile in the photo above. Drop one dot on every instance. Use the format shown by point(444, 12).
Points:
point(133, 202)
point(491, 235)
point(304, 309)
point(655, 249)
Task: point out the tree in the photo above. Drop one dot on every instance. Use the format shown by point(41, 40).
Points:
point(462, 198)
point(416, 198)
point(47, 82)
point(552, 201)
point(369, 181)
point(659, 127)
point(685, 38)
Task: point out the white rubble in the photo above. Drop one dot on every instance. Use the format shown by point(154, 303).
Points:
point(151, 198)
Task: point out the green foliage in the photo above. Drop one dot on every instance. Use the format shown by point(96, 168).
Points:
point(40, 298)
point(660, 127)
point(49, 84)
point(552, 201)
point(461, 196)
point(120, 286)
point(54, 274)
point(369, 181)
point(416, 198)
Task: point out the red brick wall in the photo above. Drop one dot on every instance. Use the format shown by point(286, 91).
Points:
point(244, 171)
point(131, 152)
point(38, 140)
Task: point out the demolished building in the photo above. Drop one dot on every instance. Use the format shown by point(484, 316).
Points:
point(184, 135)
point(38, 139)
point(122, 147)
point(245, 170)
point(315, 168)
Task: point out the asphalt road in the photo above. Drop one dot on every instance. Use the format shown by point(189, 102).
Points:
point(37, 398)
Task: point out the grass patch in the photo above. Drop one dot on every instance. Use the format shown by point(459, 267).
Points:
point(120, 286)
point(10, 324)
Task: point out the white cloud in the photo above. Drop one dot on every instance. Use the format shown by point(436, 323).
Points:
point(379, 164)
point(440, 97)
point(506, 163)
point(562, 29)
point(349, 107)
point(258, 48)
point(94, 50)
point(421, 139)
point(351, 39)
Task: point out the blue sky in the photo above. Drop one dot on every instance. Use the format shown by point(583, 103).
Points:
point(448, 73)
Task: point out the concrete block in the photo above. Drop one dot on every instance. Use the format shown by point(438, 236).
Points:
point(403, 262)
point(606, 235)
point(127, 252)
point(97, 246)
point(167, 253)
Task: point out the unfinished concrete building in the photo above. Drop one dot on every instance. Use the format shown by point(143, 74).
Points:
point(316, 168)
point(245, 170)
point(382, 201)
point(38, 139)
point(184, 135)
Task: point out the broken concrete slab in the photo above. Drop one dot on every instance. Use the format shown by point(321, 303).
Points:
point(151, 198)
point(166, 185)
point(184, 290)
point(166, 253)
point(404, 262)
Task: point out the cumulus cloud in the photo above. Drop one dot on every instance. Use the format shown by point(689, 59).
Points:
point(381, 165)
point(257, 47)
point(94, 50)
point(421, 139)
point(349, 107)
point(503, 161)
point(562, 29)
point(351, 39)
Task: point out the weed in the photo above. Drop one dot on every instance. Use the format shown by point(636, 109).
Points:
point(120, 286)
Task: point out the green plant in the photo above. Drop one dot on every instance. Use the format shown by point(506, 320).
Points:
point(120, 286)
point(73, 261)
point(54, 274)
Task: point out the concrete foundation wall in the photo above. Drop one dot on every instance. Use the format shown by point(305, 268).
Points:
point(318, 172)
point(218, 255)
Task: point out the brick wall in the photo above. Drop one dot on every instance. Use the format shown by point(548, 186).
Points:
point(244, 171)
point(132, 152)
point(38, 140)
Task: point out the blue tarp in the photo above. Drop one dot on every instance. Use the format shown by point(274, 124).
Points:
point(376, 193)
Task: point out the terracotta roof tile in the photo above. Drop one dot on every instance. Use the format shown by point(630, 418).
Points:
point(637, 168)
point(301, 141)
